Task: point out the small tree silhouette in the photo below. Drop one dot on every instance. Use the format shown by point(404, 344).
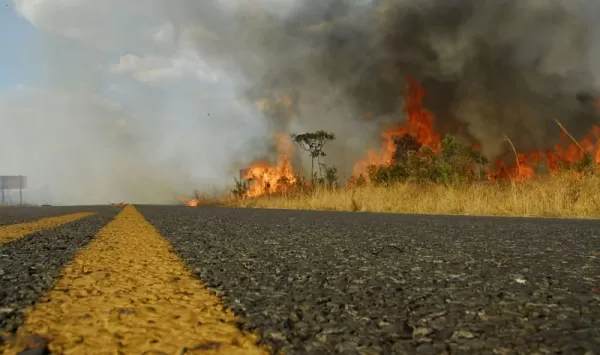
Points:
point(313, 143)
point(330, 177)
point(241, 188)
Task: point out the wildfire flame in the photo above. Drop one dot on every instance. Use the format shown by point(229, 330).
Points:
point(195, 202)
point(566, 153)
point(419, 125)
point(265, 178)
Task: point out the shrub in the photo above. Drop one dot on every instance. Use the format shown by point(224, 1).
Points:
point(241, 188)
point(453, 163)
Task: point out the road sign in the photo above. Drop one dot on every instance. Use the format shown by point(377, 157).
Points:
point(13, 182)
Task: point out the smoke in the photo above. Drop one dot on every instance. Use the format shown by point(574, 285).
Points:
point(144, 103)
point(115, 107)
point(491, 68)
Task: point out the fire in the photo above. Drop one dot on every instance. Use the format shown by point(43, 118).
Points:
point(265, 178)
point(195, 202)
point(566, 153)
point(420, 125)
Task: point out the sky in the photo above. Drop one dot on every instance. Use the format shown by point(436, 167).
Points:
point(104, 101)
point(14, 32)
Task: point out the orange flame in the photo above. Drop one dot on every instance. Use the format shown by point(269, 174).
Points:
point(267, 179)
point(567, 153)
point(419, 124)
point(195, 202)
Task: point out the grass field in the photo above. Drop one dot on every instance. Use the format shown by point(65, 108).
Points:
point(564, 195)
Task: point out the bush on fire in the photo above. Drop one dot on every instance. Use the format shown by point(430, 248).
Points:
point(453, 163)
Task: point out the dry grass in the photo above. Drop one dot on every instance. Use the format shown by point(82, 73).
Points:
point(553, 196)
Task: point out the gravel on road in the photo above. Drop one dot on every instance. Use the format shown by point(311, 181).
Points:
point(335, 282)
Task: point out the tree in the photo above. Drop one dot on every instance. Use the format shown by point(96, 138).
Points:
point(313, 143)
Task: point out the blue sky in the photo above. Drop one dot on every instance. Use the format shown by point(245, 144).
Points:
point(16, 36)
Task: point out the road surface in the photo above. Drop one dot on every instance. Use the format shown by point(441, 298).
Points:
point(180, 280)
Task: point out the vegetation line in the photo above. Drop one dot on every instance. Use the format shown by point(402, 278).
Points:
point(417, 179)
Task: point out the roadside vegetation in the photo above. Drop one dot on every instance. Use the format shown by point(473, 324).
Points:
point(564, 195)
point(418, 170)
point(450, 179)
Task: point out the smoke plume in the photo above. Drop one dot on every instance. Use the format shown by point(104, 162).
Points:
point(110, 105)
point(491, 68)
point(144, 103)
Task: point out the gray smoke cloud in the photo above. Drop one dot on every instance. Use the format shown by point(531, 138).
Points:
point(495, 67)
point(115, 107)
point(146, 103)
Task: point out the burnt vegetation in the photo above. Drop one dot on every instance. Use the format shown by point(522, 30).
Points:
point(453, 163)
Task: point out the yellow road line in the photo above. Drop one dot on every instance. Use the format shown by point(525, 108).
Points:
point(13, 232)
point(127, 293)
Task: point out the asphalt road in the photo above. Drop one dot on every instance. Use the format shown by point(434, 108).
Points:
point(357, 283)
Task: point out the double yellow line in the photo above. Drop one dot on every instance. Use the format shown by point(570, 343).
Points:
point(14, 232)
point(127, 293)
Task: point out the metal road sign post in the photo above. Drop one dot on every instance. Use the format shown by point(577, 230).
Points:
point(13, 182)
